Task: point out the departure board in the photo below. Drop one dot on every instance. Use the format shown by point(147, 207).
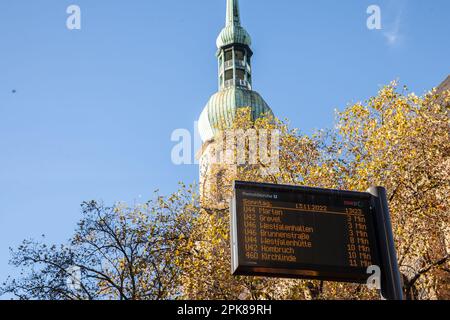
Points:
point(297, 232)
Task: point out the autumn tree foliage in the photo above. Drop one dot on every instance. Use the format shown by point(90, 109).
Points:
point(402, 142)
point(396, 140)
point(123, 253)
point(179, 246)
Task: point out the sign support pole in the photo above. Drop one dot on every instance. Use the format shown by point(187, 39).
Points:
point(391, 287)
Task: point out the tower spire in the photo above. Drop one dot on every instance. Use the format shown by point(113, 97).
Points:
point(233, 16)
point(235, 82)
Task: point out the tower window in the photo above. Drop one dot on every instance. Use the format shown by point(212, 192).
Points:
point(228, 55)
point(228, 75)
point(240, 55)
point(240, 74)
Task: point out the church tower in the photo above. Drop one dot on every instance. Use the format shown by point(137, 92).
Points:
point(235, 83)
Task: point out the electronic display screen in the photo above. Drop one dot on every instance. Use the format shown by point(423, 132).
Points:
point(302, 232)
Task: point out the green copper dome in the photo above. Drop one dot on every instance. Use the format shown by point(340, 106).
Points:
point(222, 106)
point(233, 35)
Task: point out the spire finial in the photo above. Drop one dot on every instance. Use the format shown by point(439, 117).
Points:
point(233, 16)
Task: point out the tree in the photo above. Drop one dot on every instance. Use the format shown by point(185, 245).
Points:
point(396, 140)
point(122, 253)
point(402, 142)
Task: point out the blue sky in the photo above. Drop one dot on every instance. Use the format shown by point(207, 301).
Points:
point(93, 109)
